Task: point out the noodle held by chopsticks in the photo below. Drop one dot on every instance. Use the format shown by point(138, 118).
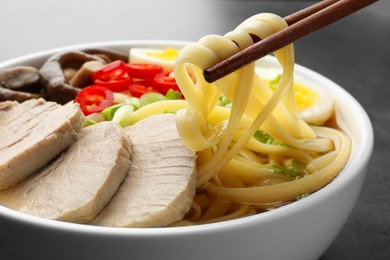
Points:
point(234, 168)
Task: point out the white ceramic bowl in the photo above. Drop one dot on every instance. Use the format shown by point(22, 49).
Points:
point(301, 230)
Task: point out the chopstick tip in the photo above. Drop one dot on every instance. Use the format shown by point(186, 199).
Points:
point(207, 76)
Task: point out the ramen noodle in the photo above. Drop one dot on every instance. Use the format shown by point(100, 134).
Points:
point(239, 175)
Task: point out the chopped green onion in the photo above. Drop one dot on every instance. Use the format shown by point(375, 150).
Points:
point(96, 117)
point(120, 97)
point(151, 97)
point(109, 112)
point(263, 137)
point(292, 169)
point(275, 82)
point(90, 122)
point(123, 115)
point(135, 102)
point(224, 101)
point(173, 95)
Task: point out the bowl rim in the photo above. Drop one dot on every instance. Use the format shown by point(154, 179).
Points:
point(363, 152)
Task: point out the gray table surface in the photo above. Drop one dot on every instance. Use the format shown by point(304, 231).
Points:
point(353, 52)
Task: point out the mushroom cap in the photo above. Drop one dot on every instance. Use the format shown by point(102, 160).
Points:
point(53, 76)
point(20, 83)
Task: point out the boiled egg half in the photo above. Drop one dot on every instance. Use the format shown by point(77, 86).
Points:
point(314, 104)
point(163, 57)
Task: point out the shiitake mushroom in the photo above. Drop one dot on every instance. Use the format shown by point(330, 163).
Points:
point(59, 79)
point(20, 83)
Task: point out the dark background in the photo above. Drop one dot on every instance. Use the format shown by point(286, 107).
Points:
point(353, 52)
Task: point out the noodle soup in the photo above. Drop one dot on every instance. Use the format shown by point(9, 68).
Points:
point(249, 142)
point(296, 225)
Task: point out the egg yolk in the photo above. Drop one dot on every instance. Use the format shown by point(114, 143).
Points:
point(304, 97)
point(168, 54)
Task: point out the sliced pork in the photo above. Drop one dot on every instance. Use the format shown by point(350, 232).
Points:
point(32, 133)
point(78, 183)
point(160, 186)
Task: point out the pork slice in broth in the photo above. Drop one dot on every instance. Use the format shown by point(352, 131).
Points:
point(77, 184)
point(32, 133)
point(160, 186)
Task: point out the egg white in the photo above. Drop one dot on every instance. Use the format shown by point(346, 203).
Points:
point(316, 114)
point(139, 55)
point(322, 110)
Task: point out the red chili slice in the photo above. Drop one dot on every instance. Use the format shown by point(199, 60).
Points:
point(165, 81)
point(138, 89)
point(143, 70)
point(113, 69)
point(113, 76)
point(115, 85)
point(94, 99)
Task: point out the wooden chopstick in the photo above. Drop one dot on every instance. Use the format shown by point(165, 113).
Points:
point(300, 24)
point(301, 14)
